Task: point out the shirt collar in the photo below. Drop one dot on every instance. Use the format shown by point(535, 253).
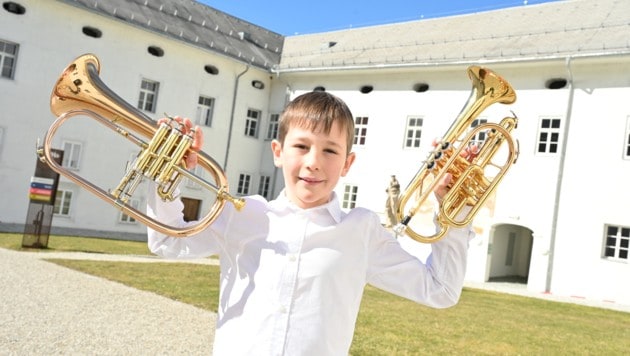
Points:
point(332, 206)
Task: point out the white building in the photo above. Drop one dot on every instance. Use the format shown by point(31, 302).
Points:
point(560, 220)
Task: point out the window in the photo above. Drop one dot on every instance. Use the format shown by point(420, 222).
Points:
point(263, 186)
point(126, 218)
point(272, 129)
point(148, 95)
point(360, 130)
point(617, 242)
point(251, 124)
point(413, 132)
point(8, 59)
point(626, 153)
point(480, 137)
point(63, 201)
point(349, 196)
point(71, 154)
point(92, 32)
point(14, 8)
point(205, 108)
point(155, 51)
point(548, 135)
point(243, 184)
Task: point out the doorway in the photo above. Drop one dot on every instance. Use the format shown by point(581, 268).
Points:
point(191, 209)
point(510, 252)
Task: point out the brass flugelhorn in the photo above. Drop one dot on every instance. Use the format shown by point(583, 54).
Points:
point(79, 91)
point(469, 186)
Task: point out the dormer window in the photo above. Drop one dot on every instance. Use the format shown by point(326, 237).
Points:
point(556, 83)
point(92, 32)
point(14, 7)
point(156, 51)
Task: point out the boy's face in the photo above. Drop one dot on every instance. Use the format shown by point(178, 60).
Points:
point(312, 163)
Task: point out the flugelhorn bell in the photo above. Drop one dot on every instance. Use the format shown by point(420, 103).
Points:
point(470, 187)
point(80, 91)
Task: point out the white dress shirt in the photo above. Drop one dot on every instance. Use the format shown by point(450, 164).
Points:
point(292, 279)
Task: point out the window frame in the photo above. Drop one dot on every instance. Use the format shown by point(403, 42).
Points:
point(126, 219)
point(144, 103)
point(67, 156)
point(350, 194)
point(550, 132)
point(60, 199)
point(205, 110)
point(272, 127)
point(621, 243)
point(252, 123)
point(415, 141)
point(244, 184)
point(6, 56)
point(360, 130)
point(481, 136)
point(264, 186)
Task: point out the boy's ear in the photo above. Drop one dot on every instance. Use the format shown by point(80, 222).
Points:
point(276, 149)
point(349, 161)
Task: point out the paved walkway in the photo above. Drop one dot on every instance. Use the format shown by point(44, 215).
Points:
point(46, 309)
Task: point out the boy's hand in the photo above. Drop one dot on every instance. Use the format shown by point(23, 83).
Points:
point(445, 183)
point(190, 158)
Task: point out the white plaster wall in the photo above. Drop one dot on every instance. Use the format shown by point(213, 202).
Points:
point(50, 37)
point(593, 191)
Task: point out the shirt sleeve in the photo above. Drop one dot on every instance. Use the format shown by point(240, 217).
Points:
point(203, 244)
point(438, 283)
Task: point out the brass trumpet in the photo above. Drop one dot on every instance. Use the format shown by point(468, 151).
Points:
point(469, 185)
point(80, 91)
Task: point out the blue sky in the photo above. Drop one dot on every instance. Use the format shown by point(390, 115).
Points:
point(311, 16)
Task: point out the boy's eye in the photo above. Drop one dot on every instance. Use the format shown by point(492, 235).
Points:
point(300, 146)
point(329, 150)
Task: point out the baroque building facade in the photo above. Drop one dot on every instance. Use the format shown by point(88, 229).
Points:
point(559, 221)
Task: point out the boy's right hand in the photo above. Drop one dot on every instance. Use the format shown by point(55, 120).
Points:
point(191, 157)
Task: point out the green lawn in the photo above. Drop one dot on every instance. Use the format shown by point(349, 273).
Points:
point(483, 323)
point(78, 244)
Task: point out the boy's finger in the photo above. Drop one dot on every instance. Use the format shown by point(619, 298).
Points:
point(198, 139)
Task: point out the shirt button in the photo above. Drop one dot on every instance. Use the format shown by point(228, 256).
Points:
point(282, 309)
point(291, 257)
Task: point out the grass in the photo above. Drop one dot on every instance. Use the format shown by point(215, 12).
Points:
point(78, 244)
point(483, 323)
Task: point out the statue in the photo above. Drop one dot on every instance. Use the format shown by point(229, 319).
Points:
point(391, 204)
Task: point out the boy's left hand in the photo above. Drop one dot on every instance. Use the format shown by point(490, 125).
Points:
point(445, 183)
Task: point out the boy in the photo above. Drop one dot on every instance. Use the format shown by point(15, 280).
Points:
point(293, 269)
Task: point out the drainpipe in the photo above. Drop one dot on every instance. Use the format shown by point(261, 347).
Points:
point(227, 148)
point(563, 151)
point(274, 177)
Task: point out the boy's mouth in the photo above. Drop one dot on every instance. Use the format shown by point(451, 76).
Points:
point(309, 180)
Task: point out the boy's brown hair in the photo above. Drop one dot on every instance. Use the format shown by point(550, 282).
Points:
point(317, 110)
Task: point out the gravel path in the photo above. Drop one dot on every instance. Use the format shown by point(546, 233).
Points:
point(46, 309)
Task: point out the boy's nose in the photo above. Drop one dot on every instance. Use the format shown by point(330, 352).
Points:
point(312, 160)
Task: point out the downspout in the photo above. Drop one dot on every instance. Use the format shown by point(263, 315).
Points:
point(274, 177)
point(229, 140)
point(563, 151)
